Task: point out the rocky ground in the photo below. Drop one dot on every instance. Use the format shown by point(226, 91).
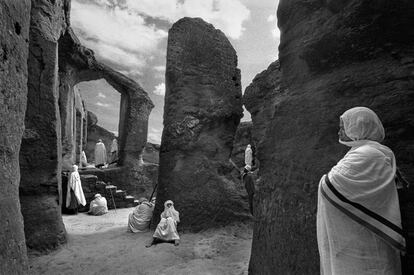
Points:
point(102, 245)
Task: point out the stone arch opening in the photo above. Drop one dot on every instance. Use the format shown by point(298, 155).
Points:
point(55, 130)
point(102, 104)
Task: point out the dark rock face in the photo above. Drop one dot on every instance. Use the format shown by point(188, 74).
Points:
point(333, 56)
point(41, 151)
point(260, 99)
point(14, 34)
point(201, 114)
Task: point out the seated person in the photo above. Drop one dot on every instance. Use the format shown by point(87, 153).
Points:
point(167, 228)
point(98, 206)
point(140, 218)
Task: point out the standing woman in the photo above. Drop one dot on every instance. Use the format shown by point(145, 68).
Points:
point(358, 220)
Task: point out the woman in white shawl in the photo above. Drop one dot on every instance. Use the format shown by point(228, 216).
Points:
point(74, 191)
point(167, 227)
point(139, 219)
point(358, 220)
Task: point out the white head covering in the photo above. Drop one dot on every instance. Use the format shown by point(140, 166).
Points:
point(361, 123)
point(171, 211)
point(97, 196)
point(75, 168)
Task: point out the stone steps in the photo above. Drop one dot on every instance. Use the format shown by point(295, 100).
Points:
point(91, 186)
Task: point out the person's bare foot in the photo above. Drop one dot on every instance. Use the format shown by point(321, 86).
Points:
point(176, 242)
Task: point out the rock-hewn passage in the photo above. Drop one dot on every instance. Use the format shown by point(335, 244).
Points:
point(334, 55)
point(202, 110)
point(14, 34)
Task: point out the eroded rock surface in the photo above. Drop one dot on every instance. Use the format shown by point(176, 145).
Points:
point(334, 55)
point(14, 34)
point(260, 99)
point(41, 151)
point(201, 114)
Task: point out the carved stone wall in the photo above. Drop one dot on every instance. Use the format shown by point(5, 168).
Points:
point(14, 46)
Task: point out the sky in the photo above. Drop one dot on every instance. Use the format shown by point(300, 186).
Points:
point(131, 37)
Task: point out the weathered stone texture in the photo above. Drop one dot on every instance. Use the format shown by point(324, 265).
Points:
point(14, 35)
point(41, 152)
point(334, 55)
point(260, 99)
point(201, 114)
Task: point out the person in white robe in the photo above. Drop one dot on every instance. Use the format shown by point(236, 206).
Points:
point(167, 228)
point(98, 206)
point(100, 153)
point(140, 218)
point(75, 188)
point(114, 150)
point(248, 156)
point(358, 217)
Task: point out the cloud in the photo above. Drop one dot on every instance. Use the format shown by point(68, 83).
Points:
point(105, 105)
point(276, 33)
point(160, 68)
point(114, 33)
point(160, 89)
point(101, 95)
point(271, 18)
point(154, 137)
point(227, 15)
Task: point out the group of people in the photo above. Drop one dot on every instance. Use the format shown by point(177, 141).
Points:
point(101, 158)
point(100, 155)
point(166, 231)
point(358, 216)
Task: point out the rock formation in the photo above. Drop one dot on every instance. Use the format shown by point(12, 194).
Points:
point(334, 55)
point(260, 99)
point(56, 115)
point(14, 35)
point(201, 114)
point(41, 150)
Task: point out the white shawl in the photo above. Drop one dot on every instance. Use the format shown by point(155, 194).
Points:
point(76, 185)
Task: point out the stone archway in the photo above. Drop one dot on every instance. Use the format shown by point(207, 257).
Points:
point(57, 62)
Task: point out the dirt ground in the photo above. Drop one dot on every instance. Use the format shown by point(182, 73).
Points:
point(102, 245)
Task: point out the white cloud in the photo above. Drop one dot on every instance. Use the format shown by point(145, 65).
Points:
point(101, 95)
point(160, 89)
point(154, 137)
point(276, 33)
point(271, 18)
point(105, 105)
point(115, 34)
point(227, 15)
point(160, 68)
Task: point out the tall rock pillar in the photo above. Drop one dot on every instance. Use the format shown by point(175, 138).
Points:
point(14, 35)
point(41, 152)
point(202, 110)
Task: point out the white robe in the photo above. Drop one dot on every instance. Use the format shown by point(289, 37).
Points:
point(167, 228)
point(100, 153)
point(76, 185)
point(350, 240)
point(98, 206)
point(248, 157)
point(140, 218)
